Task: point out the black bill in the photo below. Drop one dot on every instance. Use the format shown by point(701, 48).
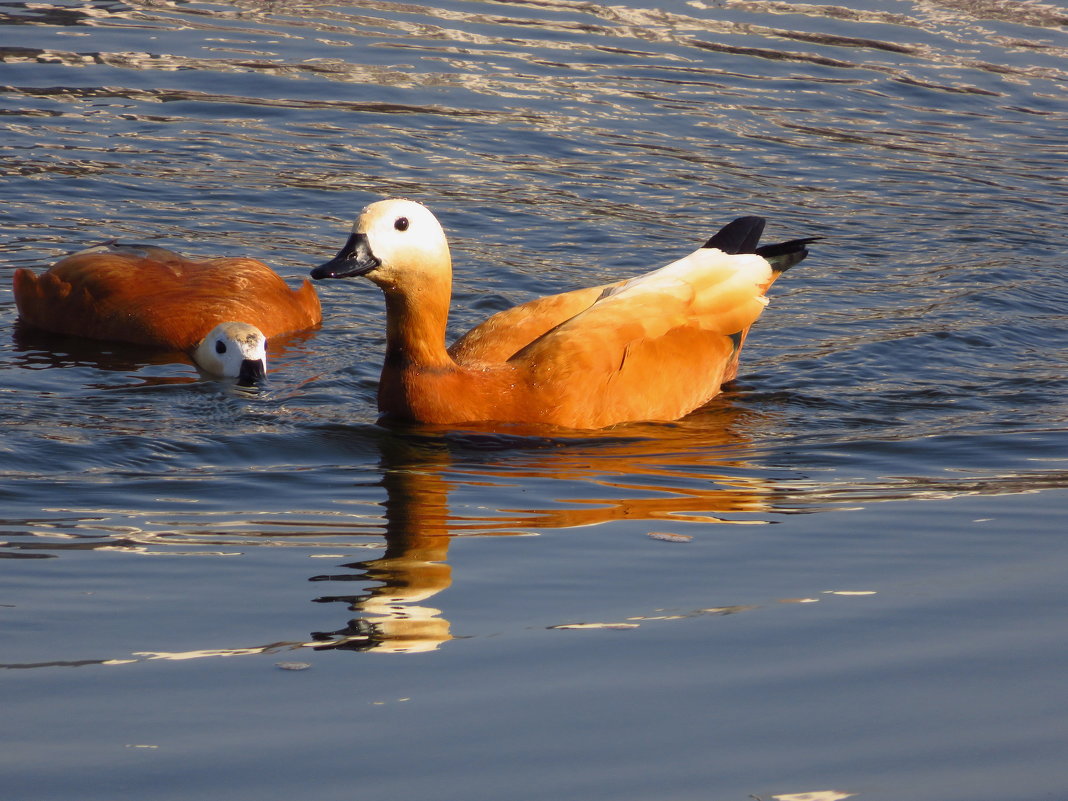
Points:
point(355, 258)
point(251, 372)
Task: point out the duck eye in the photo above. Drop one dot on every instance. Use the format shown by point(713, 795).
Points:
point(401, 224)
point(220, 346)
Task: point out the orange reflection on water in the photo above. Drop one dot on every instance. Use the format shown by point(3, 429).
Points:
point(690, 472)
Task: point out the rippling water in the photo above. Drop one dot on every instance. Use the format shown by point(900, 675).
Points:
point(899, 417)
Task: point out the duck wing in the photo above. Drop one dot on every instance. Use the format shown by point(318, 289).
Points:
point(500, 336)
point(651, 348)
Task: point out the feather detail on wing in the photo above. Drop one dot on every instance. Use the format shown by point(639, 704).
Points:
point(497, 338)
point(661, 341)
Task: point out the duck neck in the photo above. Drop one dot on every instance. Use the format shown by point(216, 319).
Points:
point(415, 328)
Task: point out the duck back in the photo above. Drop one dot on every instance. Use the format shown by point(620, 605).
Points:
point(153, 296)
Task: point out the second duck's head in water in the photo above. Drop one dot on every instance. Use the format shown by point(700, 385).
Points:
point(233, 350)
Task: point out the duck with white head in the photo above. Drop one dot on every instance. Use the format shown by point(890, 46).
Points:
point(651, 348)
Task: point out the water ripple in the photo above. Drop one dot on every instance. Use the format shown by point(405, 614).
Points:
point(562, 143)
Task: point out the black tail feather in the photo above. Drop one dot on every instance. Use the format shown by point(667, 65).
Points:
point(739, 236)
point(784, 255)
point(743, 234)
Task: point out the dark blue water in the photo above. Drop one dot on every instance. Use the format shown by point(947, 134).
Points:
point(870, 599)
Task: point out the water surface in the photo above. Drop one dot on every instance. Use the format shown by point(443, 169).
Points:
point(860, 586)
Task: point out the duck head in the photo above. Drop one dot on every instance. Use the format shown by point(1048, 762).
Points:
point(398, 244)
point(235, 350)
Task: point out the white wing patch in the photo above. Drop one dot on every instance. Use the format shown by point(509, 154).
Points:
point(704, 270)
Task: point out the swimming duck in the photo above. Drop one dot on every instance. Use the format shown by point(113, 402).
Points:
point(651, 348)
point(218, 311)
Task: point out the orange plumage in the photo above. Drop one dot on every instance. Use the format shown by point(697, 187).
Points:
point(654, 347)
point(152, 296)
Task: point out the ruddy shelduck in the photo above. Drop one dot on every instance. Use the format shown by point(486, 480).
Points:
point(218, 311)
point(652, 348)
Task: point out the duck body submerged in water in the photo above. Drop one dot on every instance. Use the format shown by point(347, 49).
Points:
point(218, 311)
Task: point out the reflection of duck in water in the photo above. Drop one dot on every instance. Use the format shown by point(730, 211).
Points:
point(392, 620)
point(654, 347)
point(413, 568)
point(150, 296)
point(677, 474)
point(688, 474)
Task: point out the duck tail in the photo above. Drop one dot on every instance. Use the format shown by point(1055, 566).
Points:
point(743, 234)
point(784, 255)
point(738, 236)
